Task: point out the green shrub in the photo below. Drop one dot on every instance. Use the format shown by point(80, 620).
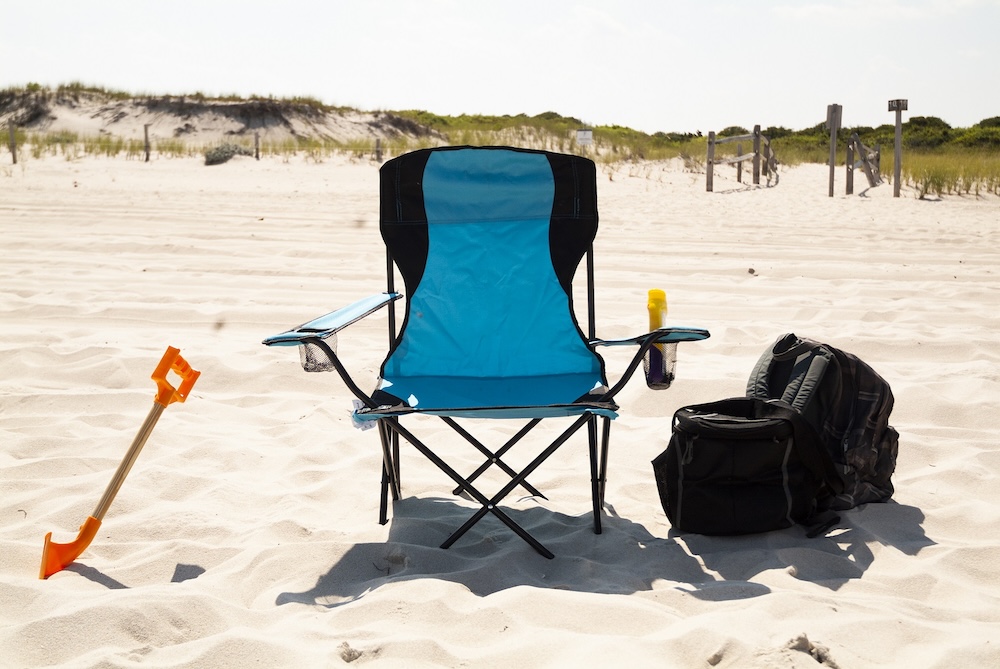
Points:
point(980, 137)
point(224, 152)
point(925, 132)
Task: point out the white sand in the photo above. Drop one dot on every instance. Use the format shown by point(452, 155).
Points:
point(247, 534)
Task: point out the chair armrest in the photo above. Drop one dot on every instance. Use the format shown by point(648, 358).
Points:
point(333, 322)
point(661, 336)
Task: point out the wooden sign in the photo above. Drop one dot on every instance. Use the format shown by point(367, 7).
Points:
point(834, 116)
point(897, 105)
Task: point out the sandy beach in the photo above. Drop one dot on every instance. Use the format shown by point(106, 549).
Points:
point(247, 533)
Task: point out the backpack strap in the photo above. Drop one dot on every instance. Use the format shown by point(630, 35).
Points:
point(808, 444)
point(758, 385)
point(786, 348)
point(804, 375)
point(815, 456)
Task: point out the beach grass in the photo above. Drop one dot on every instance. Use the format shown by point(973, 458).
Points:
point(950, 171)
point(944, 171)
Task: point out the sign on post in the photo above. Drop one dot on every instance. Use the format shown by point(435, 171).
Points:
point(585, 137)
point(898, 106)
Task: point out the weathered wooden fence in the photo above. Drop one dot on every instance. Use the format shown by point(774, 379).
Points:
point(762, 156)
point(870, 161)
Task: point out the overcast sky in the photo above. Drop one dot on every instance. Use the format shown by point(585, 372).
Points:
point(649, 65)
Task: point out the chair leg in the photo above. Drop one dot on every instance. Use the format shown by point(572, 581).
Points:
point(395, 459)
point(595, 472)
point(390, 470)
point(383, 507)
point(605, 445)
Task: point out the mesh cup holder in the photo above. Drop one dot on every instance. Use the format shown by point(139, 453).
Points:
point(314, 358)
point(659, 363)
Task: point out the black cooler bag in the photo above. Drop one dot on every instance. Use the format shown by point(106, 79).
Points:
point(740, 466)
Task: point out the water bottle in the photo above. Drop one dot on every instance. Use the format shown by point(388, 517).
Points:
point(660, 359)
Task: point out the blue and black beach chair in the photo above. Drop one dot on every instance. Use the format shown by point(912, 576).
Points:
point(487, 242)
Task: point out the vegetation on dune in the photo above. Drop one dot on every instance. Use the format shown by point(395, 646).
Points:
point(552, 131)
point(938, 159)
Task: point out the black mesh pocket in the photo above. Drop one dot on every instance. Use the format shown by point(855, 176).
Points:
point(314, 357)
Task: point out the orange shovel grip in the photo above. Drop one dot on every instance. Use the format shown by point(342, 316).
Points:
point(166, 394)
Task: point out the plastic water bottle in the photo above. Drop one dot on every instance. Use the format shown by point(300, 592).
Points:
point(660, 359)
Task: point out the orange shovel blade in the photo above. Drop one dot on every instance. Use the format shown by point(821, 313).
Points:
point(56, 557)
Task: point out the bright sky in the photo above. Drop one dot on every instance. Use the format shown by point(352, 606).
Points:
point(647, 64)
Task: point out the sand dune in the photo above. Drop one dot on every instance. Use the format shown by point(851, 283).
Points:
point(247, 534)
point(197, 121)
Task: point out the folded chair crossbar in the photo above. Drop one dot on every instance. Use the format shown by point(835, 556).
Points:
point(489, 505)
point(494, 458)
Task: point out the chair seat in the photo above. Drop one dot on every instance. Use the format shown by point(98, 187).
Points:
point(508, 397)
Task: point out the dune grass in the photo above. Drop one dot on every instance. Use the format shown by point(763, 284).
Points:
point(949, 171)
point(946, 171)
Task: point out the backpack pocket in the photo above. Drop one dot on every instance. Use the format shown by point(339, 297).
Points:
point(733, 472)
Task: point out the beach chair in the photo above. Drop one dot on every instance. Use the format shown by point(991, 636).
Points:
point(487, 241)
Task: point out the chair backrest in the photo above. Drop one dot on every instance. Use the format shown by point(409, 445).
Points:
point(487, 241)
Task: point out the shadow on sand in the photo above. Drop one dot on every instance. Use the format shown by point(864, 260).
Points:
point(624, 559)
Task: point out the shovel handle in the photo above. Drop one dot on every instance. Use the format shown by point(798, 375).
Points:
point(166, 393)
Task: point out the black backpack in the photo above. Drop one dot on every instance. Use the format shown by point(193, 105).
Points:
point(848, 405)
point(744, 465)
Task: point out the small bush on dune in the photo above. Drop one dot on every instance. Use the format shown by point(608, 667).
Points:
point(224, 152)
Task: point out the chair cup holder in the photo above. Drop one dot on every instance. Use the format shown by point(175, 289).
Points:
point(659, 363)
point(314, 358)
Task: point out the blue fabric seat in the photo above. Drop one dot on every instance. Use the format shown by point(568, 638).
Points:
point(487, 241)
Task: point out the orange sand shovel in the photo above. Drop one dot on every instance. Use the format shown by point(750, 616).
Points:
point(56, 557)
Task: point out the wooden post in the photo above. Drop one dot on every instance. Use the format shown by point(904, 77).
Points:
point(898, 106)
point(145, 130)
point(833, 113)
point(710, 162)
point(756, 155)
point(256, 145)
point(13, 141)
point(378, 149)
point(850, 164)
point(739, 165)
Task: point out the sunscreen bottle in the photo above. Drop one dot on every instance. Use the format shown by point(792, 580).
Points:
point(657, 306)
point(660, 358)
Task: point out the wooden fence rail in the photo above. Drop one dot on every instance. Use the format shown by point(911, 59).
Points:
point(869, 159)
point(763, 157)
